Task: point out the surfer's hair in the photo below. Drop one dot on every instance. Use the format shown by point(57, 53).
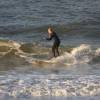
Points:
point(51, 28)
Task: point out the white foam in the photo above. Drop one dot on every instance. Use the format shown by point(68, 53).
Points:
point(28, 85)
point(65, 58)
point(80, 54)
point(97, 53)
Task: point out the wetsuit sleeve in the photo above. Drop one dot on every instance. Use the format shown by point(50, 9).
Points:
point(50, 38)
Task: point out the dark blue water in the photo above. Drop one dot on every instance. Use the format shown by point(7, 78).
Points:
point(37, 12)
point(74, 20)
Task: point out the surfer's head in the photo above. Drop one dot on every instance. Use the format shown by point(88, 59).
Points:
point(50, 30)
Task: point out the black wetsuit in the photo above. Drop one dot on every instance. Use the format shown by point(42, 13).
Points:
point(55, 44)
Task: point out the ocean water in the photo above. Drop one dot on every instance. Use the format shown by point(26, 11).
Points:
point(27, 73)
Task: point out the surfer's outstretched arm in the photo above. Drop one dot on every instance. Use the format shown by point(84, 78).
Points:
point(50, 37)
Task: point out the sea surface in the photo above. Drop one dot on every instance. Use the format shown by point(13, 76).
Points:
point(27, 71)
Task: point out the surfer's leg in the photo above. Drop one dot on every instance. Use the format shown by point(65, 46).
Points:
point(56, 50)
point(53, 50)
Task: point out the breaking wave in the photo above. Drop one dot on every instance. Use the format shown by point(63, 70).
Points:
point(81, 54)
point(19, 85)
point(16, 54)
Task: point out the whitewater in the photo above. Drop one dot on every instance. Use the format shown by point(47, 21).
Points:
point(67, 75)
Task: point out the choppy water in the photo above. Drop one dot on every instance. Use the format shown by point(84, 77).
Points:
point(25, 71)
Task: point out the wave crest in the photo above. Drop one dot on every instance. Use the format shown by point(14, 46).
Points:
point(15, 54)
point(81, 54)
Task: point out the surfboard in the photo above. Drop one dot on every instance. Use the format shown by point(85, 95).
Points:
point(43, 63)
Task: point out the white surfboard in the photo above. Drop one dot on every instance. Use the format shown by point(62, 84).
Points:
point(41, 62)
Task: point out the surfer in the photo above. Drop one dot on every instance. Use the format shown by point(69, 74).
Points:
point(52, 35)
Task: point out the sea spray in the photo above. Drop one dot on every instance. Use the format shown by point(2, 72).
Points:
point(83, 53)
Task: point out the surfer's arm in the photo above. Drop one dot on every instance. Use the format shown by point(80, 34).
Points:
point(49, 38)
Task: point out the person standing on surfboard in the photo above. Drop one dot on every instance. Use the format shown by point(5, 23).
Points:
point(52, 35)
